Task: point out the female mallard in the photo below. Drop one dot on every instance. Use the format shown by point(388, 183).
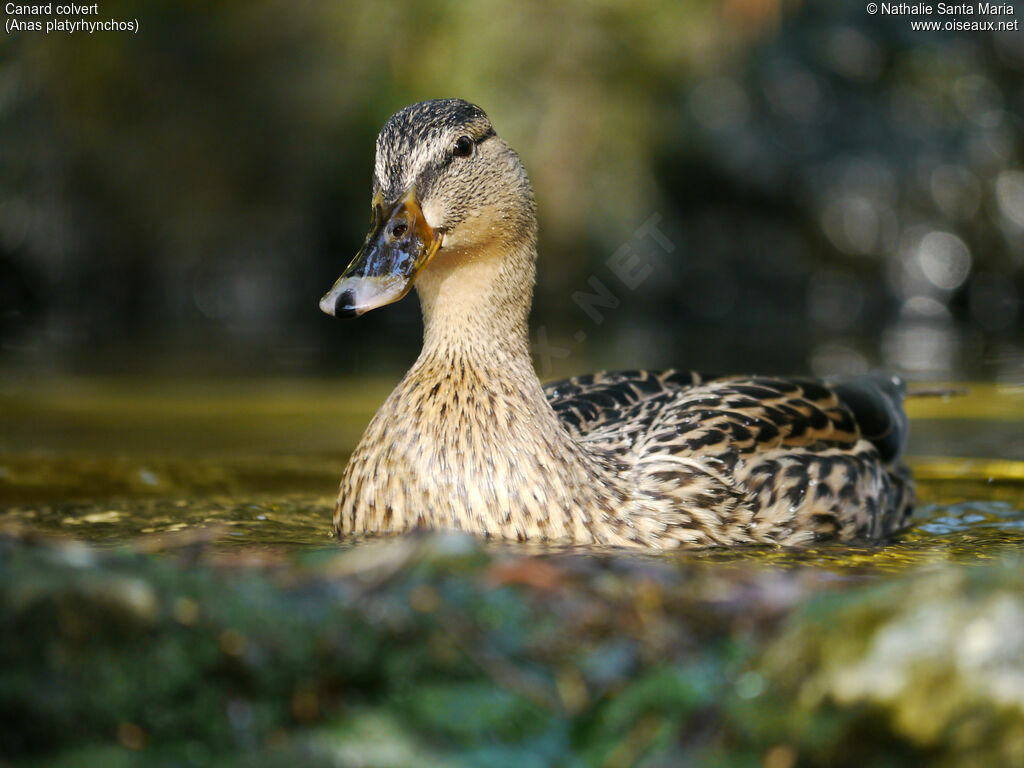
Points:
point(470, 440)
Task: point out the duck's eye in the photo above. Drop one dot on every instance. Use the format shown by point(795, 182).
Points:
point(463, 146)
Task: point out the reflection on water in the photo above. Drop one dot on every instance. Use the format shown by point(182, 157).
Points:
point(286, 521)
point(257, 464)
point(946, 527)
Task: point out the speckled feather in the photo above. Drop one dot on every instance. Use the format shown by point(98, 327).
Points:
point(659, 460)
point(470, 440)
point(780, 460)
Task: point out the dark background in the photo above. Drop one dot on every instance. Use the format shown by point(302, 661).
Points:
point(839, 192)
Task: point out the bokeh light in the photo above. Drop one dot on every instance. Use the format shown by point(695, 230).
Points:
point(831, 181)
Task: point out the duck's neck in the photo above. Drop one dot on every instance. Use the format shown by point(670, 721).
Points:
point(476, 305)
point(468, 439)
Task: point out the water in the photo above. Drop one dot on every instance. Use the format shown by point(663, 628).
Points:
point(945, 529)
point(256, 464)
point(771, 655)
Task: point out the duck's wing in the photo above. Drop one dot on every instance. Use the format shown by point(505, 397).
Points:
point(584, 403)
point(808, 458)
point(775, 410)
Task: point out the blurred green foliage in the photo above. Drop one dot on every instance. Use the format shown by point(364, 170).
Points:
point(840, 191)
point(428, 651)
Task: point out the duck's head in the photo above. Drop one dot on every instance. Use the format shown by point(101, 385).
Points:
point(445, 186)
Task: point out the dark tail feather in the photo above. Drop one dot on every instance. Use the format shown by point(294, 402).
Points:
point(876, 400)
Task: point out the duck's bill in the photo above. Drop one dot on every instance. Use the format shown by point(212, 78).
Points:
point(399, 245)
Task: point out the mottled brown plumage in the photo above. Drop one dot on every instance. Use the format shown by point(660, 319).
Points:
point(470, 440)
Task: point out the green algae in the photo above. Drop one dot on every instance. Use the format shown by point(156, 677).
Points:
point(252, 638)
point(434, 651)
point(936, 660)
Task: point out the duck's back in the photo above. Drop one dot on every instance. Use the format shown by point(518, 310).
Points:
point(758, 459)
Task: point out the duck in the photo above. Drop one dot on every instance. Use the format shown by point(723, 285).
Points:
point(470, 440)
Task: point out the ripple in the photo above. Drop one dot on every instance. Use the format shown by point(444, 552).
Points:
point(971, 512)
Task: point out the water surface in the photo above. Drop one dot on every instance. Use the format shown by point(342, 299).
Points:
point(256, 464)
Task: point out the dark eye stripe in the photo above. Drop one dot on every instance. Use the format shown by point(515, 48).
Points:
point(451, 156)
point(480, 139)
point(430, 174)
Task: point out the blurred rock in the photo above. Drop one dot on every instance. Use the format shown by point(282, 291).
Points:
point(431, 651)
